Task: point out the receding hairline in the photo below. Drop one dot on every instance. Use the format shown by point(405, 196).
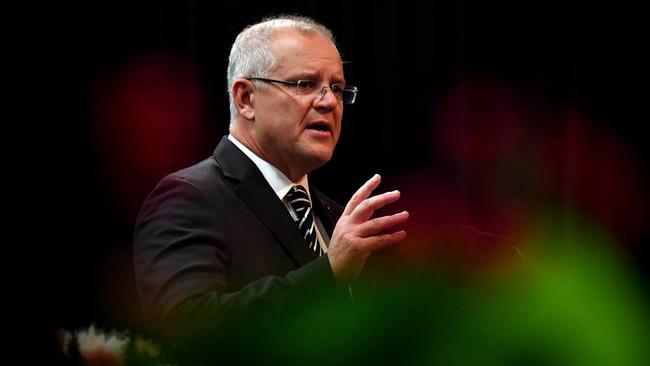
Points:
point(301, 24)
point(277, 35)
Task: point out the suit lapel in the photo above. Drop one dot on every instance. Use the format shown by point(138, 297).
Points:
point(328, 211)
point(258, 195)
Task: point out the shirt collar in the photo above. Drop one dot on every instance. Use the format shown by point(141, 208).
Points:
point(277, 180)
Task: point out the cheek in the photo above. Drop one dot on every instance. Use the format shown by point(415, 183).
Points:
point(338, 118)
point(293, 111)
point(302, 111)
point(282, 118)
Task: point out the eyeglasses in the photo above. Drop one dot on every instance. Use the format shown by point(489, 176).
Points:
point(347, 94)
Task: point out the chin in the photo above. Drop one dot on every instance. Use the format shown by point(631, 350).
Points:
point(319, 158)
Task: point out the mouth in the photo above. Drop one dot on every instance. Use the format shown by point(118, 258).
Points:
point(321, 126)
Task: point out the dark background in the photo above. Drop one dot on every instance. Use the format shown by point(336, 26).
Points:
point(405, 57)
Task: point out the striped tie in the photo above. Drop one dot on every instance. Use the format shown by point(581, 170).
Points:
point(299, 200)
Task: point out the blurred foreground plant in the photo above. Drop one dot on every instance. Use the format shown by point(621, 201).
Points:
point(95, 347)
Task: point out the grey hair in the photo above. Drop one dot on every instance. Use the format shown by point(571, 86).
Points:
point(250, 55)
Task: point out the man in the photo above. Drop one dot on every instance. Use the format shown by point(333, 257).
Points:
point(221, 242)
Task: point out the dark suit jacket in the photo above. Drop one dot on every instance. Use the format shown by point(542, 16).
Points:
point(214, 248)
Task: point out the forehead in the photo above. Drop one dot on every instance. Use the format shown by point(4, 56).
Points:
point(305, 52)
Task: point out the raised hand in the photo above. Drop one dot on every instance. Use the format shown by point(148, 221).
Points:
point(356, 235)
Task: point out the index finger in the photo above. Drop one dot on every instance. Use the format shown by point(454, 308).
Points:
point(362, 193)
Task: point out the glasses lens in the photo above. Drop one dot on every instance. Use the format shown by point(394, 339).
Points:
point(349, 95)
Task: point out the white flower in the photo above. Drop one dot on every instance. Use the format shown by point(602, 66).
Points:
point(100, 349)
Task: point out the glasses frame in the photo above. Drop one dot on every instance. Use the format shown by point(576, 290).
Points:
point(301, 84)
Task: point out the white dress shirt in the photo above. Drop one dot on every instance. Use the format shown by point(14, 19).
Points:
point(281, 185)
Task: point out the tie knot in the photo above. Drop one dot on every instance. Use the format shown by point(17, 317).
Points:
point(298, 197)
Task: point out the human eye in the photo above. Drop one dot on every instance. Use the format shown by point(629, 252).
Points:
point(337, 88)
point(306, 85)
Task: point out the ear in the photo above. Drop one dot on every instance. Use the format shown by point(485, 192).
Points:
point(242, 94)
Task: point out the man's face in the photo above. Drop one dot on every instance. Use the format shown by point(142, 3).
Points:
point(298, 133)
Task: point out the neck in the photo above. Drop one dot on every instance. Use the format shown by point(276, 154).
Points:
point(293, 173)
